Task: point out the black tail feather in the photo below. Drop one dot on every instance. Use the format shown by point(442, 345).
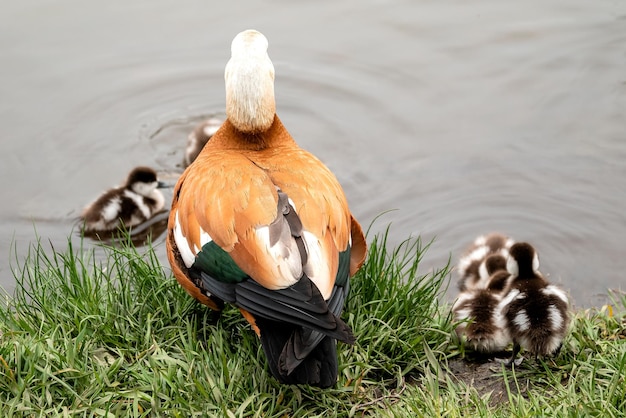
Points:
point(319, 365)
point(298, 346)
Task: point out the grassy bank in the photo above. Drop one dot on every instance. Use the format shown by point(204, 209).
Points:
point(119, 337)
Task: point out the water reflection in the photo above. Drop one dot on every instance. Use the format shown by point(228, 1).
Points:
point(465, 117)
point(145, 233)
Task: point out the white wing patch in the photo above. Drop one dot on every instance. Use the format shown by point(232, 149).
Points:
point(316, 267)
point(204, 237)
point(502, 308)
point(521, 321)
point(555, 317)
point(139, 203)
point(188, 256)
point(111, 211)
point(284, 252)
point(552, 290)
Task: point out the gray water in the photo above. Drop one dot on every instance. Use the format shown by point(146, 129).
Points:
point(463, 117)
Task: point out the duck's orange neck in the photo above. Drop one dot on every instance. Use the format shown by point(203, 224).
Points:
point(230, 137)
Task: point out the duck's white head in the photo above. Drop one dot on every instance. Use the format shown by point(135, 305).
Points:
point(249, 76)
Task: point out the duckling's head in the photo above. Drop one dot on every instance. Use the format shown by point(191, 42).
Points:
point(143, 181)
point(492, 264)
point(249, 76)
point(497, 241)
point(522, 261)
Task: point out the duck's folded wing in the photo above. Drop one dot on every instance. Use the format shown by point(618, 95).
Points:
point(244, 242)
point(239, 210)
point(300, 304)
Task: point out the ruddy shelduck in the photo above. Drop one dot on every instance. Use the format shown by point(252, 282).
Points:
point(260, 223)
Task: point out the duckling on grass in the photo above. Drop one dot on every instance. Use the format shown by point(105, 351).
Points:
point(477, 311)
point(534, 312)
point(470, 262)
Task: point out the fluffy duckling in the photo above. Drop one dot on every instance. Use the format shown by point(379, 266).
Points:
point(491, 265)
point(198, 138)
point(534, 312)
point(128, 205)
point(477, 309)
point(259, 222)
point(470, 262)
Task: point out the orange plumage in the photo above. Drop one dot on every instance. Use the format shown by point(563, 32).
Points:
point(261, 223)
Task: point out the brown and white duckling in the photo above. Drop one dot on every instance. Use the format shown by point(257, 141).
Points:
point(534, 312)
point(481, 327)
point(128, 205)
point(492, 263)
point(199, 137)
point(469, 263)
point(488, 269)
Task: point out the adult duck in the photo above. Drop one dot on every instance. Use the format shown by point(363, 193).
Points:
point(258, 222)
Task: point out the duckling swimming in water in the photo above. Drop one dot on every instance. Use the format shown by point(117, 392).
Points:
point(199, 137)
point(534, 312)
point(128, 205)
point(470, 262)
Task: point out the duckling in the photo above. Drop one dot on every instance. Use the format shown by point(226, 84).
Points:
point(198, 138)
point(534, 311)
point(481, 327)
point(470, 262)
point(492, 264)
point(128, 205)
point(258, 222)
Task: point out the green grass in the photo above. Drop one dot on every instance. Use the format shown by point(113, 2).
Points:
point(116, 336)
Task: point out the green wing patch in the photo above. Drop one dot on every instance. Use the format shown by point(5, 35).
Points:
point(343, 270)
point(216, 262)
